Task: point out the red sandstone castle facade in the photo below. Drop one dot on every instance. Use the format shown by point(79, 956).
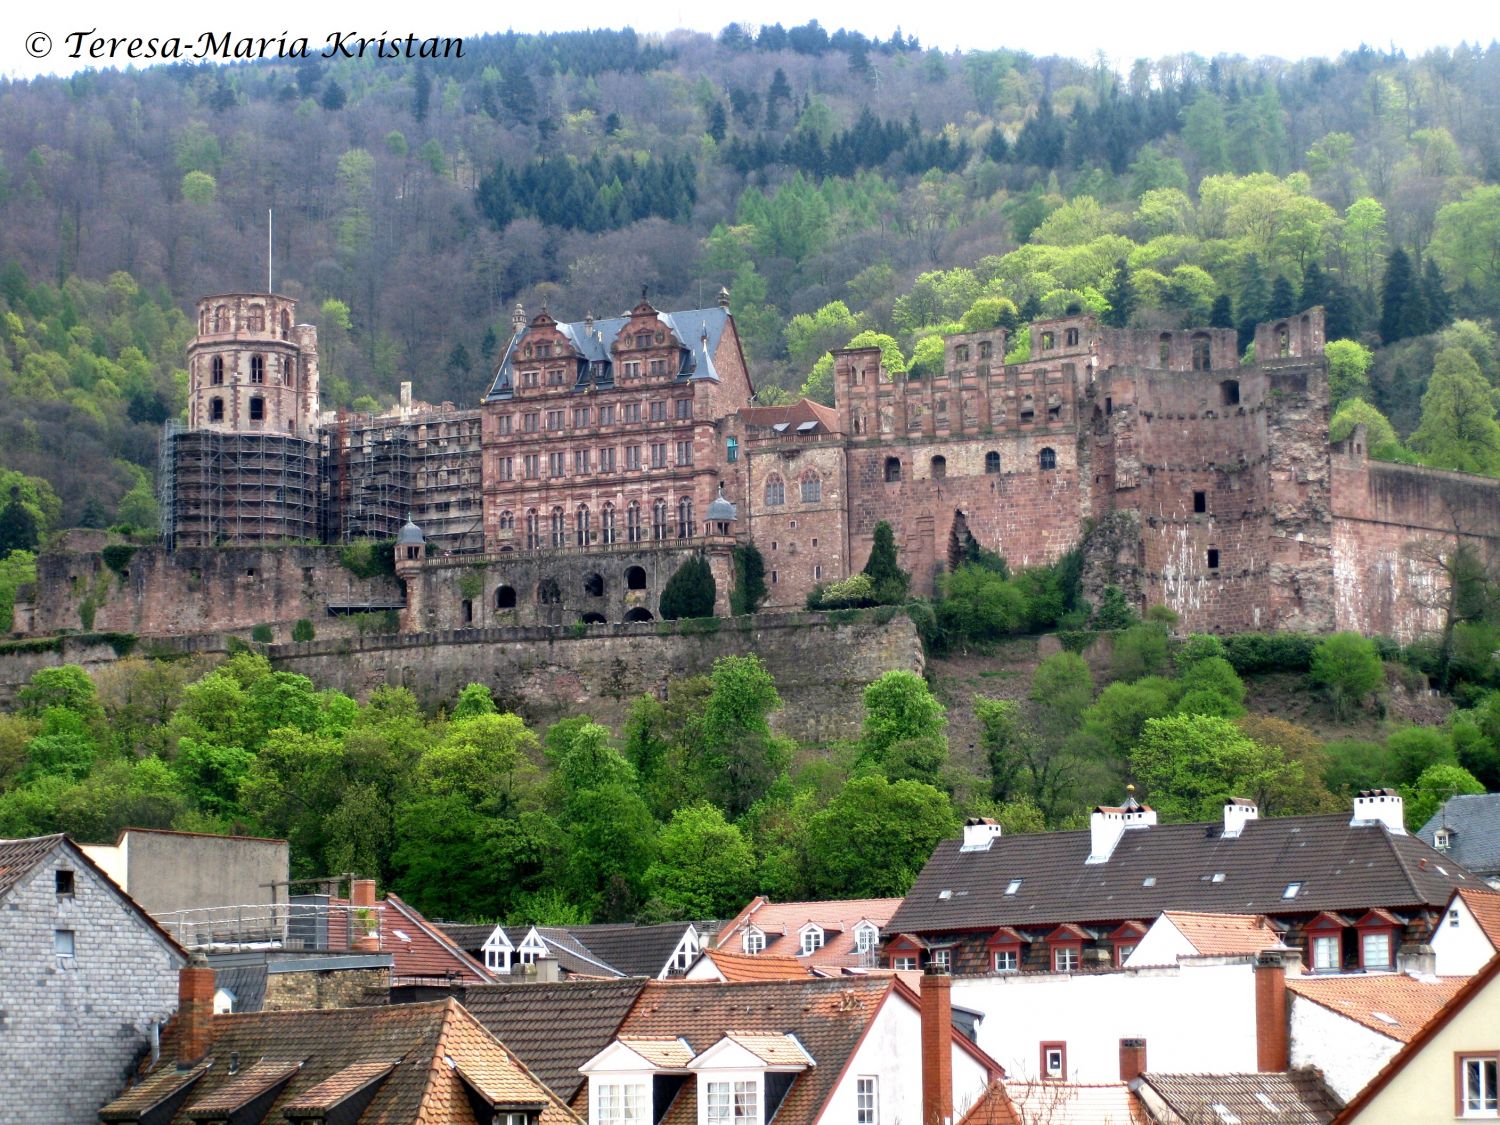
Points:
point(592, 464)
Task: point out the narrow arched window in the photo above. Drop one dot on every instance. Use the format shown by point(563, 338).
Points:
point(892, 469)
point(685, 518)
point(607, 524)
point(559, 528)
point(581, 527)
point(1047, 459)
point(633, 524)
point(533, 529)
point(939, 467)
point(775, 491)
point(812, 489)
point(659, 520)
point(992, 462)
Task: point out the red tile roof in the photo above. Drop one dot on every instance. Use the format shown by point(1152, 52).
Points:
point(782, 922)
point(1485, 906)
point(246, 1085)
point(1223, 935)
point(794, 413)
point(419, 948)
point(994, 1107)
point(1406, 1003)
point(755, 966)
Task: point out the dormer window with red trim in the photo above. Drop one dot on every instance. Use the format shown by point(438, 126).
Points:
point(1004, 948)
point(905, 953)
point(1325, 943)
point(1124, 940)
point(1065, 948)
point(1379, 933)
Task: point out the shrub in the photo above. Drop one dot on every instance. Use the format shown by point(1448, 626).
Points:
point(852, 593)
point(262, 635)
point(1251, 653)
point(1348, 666)
point(303, 631)
point(370, 558)
point(117, 557)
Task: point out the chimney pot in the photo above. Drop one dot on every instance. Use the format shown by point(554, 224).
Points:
point(937, 1046)
point(195, 1010)
point(1272, 1035)
point(1379, 806)
point(1132, 1059)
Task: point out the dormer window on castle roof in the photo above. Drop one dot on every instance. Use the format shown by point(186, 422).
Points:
point(812, 938)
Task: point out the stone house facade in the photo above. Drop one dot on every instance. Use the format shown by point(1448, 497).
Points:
point(86, 982)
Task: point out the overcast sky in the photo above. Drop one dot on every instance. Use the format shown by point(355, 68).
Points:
point(1285, 28)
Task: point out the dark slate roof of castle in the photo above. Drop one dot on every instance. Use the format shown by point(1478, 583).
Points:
point(1190, 866)
point(554, 1028)
point(1474, 820)
point(697, 330)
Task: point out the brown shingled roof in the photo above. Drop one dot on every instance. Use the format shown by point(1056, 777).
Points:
point(330, 1043)
point(419, 948)
point(1406, 1003)
point(18, 857)
point(154, 1090)
point(331, 1091)
point(1296, 1097)
point(242, 1089)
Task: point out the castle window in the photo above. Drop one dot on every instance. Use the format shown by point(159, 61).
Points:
point(985, 349)
point(631, 368)
point(559, 528)
point(685, 527)
point(257, 409)
point(658, 455)
point(939, 467)
point(1213, 558)
point(658, 367)
point(529, 422)
point(286, 324)
point(555, 377)
point(257, 369)
point(1028, 409)
point(468, 611)
point(216, 366)
point(557, 464)
point(580, 417)
point(992, 462)
point(632, 457)
point(581, 525)
point(256, 321)
point(643, 339)
point(1164, 349)
point(593, 585)
point(1283, 341)
point(775, 491)
point(1200, 501)
point(607, 522)
point(530, 466)
point(221, 319)
point(1229, 392)
point(684, 409)
point(581, 461)
point(892, 469)
point(505, 597)
point(607, 459)
point(533, 530)
point(684, 453)
point(1202, 352)
point(659, 520)
point(1047, 458)
point(607, 415)
point(1049, 341)
point(812, 490)
point(1072, 338)
point(961, 353)
point(659, 411)
point(633, 535)
point(732, 450)
point(635, 578)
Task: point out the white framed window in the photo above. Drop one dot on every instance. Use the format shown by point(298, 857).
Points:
point(511, 1119)
point(62, 943)
point(618, 1103)
point(1007, 960)
point(733, 1103)
point(943, 959)
point(1477, 1086)
point(812, 939)
point(907, 961)
point(1065, 959)
point(867, 1101)
point(1054, 1061)
point(865, 938)
point(754, 941)
point(1442, 840)
point(1375, 950)
point(1326, 951)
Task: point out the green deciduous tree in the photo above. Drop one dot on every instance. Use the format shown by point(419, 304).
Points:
point(904, 727)
point(874, 837)
point(1458, 429)
point(740, 756)
point(1434, 786)
point(1347, 666)
point(1189, 765)
point(704, 868)
point(1348, 370)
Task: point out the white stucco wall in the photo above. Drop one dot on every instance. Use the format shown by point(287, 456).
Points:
point(1347, 1053)
point(1161, 944)
point(1461, 949)
point(1197, 1016)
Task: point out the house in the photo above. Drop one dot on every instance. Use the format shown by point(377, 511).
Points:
point(598, 951)
point(860, 1049)
point(1467, 935)
point(843, 933)
point(554, 1027)
point(169, 872)
point(1449, 1070)
point(731, 965)
point(1466, 827)
point(1349, 1025)
point(423, 954)
point(1350, 889)
point(86, 980)
point(1185, 933)
point(429, 1063)
point(1296, 1097)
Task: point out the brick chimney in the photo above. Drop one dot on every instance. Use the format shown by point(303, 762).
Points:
point(195, 1010)
point(937, 1047)
point(1132, 1059)
point(1272, 1042)
point(364, 920)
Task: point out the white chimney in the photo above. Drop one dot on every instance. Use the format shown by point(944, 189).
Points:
point(979, 833)
point(1237, 810)
point(1108, 823)
point(1379, 806)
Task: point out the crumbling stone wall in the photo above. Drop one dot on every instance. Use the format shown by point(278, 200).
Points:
point(326, 988)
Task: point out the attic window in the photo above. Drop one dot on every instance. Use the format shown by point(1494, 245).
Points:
point(755, 942)
point(403, 935)
point(1218, 877)
point(812, 939)
point(1149, 881)
point(865, 938)
point(1442, 840)
point(945, 894)
point(1013, 886)
point(64, 882)
point(1291, 890)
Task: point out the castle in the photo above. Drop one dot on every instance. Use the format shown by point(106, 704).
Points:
point(606, 451)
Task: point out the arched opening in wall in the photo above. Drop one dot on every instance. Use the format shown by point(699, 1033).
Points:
point(892, 469)
point(1283, 340)
point(533, 529)
point(607, 523)
point(1047, 458)
point(1028, 409)
point(559, 528)
point(216, 367)
point(1202, 352)
point(1229, 392)
point(686, 526)
point(939, 467)
point(593, 585)
point(1048, 341)
point(581, 522)
point(505, 597)
point(633, 523)
point(635, 578)
point(992, 462)
point(286, 324)
point(1164, 349)
point(775, 491)
point(594, 619)
point(548, 592)
point(257, 409)
point(639, 613)
point(221, 319)
point(216, 410)
point(1072, 337)
point(467, 609)
point(812, 488)
point(659, 520)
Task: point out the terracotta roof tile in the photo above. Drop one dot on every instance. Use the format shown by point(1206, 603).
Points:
point(1224, 935)
point(420, 948)
point(668, 1053)
point(781, 922)
point(242, 1089)
point(1297, 1097)
point(1485, 906)
point(18, 857)
point(155, 1089)
point(331, 1091)
point(993, 1108)
point(1406, 1003)
point(773, 1050)
point(756, 966)
point(554, 1028)
point(1076, 1103)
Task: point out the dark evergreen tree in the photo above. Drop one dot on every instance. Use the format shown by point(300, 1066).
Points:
point(749, 580)
point(459, 362)
point(333, 97)
point(891, 582)
point(1402, 313)
point(1255, 298)
point(1435, 298)
point(997, 148)
point(421, 94)
point(1043, 138)
point(18, 526)
point(1121, 297)
point(1315, 287)
point(94, 513)
point(1222, 314)
point(489, 344)
point(690, 591)
point(1283, 298)
point(718, 122)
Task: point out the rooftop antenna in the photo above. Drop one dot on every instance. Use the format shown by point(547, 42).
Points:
point(270, 246)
